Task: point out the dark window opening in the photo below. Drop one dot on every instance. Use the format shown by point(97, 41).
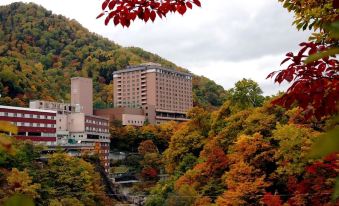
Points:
point(91, 136)
point(34, 134)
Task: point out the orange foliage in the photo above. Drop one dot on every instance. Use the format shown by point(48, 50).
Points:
point(147, 146)
point(272, 200)
point(246, 181)
point(202, 201)
point(215, 159)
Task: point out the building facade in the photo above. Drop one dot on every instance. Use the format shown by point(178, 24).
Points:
point(77, 128)
point(82, 93)
point(33, 124)
point(127, 116)
point(163, 94)
point(75, 122)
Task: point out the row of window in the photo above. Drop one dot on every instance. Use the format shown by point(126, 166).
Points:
point(160, 80)
point(130, 77)
point(166, 106)
point(175, 88)
point(97, 122)
point(135, 122)
point(81, 136)
point(175, 102)
point(30, 124)
point(104, 151)
point(170, 95)
point(33, 116)
point(94, 129)
point(127, 84)
point(36, 134)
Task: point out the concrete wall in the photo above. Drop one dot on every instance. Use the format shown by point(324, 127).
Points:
point(76, 122)
point(131, 119)
point(116, 113)
point(61, 122)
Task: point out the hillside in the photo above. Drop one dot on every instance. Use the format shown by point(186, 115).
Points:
point(41, 51)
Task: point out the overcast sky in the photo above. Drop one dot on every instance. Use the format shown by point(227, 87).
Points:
point(224, 40)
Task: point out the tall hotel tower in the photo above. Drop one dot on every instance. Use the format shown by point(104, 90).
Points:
point(162, 93)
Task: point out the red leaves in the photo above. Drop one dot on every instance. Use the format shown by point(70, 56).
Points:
point(181, 9)
point(272, 200)
point(149, 173)
point(315, 85)
point(197, 2)
point(100, 15)
point(316, 186)
point(285, 60)
point(153, 15)
point(111, 5)
point(124, 11)
point(104, 4)
point(189, 5)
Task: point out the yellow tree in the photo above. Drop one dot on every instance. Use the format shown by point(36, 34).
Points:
point(19, 182)
point(246, 179)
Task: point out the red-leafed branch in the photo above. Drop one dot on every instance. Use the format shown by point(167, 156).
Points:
point(124, 11)
point(315, 85)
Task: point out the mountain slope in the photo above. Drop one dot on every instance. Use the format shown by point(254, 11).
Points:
point(40, 52)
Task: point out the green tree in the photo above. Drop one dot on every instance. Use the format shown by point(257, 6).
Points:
point(66, 176)
point(246, 94)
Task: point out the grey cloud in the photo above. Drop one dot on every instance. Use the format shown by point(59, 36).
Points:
point(233, 36)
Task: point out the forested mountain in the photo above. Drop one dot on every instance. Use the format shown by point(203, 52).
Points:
point(41, 51)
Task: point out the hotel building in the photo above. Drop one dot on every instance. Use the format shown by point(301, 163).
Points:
point(163, 94)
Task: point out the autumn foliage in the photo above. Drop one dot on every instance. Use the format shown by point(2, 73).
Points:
point(123, 12)
point(317, 185)
point(315, 85)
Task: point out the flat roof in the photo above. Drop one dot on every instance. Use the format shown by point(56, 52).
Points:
point(26, 109)
point(85, 78)
point(45, 101)
point(146, 67)
point(95, 116)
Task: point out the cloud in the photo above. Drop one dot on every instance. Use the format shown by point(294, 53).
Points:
point(224, 40)
point(228, 73)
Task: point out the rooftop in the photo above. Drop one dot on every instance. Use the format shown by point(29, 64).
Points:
point(149, 66)
point(26, 109)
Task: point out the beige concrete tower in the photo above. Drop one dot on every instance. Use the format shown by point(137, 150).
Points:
point(82, 94)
